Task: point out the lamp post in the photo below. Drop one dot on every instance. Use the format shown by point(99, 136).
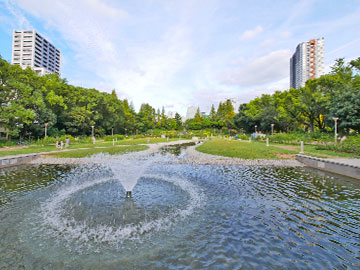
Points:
point(335, 131)
point(92, 131)
point(272, 129)
point(46, 124)
point(255, 128)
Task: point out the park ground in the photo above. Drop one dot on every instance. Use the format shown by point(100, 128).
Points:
point(217, 146)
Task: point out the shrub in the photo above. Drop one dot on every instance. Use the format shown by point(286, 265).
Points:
point(63, 138)
point(284, 138)
point(46, 141)
point(350, 145)
point(114, 137)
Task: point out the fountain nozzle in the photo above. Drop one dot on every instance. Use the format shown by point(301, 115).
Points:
point(128, 194)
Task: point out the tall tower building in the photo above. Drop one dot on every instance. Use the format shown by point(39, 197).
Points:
point(29, 49)
point(307, 62)
point(191, 111)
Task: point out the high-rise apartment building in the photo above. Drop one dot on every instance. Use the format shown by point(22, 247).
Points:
point(191, 111)
point(30, 49)
point(307, 62)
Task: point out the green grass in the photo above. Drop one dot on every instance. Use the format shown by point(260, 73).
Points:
point(259, 150)
point(89, 152)
point(241, 149)
point(47, 148)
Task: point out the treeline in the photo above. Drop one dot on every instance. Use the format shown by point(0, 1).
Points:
point(222, 118)
point(28, 101)
point(309, 108)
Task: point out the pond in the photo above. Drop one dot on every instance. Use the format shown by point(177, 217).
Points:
point(179, 217)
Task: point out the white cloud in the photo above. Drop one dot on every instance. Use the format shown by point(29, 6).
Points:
point(249, 34)
point(138, 69)
point(263, 70)
point(285, 34)
point(19, 20)
point(268, 43)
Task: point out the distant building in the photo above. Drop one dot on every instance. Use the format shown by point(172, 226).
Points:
point(171, 114)
point(307, 62)
point(191, 111)
point(30, 49)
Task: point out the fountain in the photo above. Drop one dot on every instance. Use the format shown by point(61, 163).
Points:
point(128, 194)
point(179, 216)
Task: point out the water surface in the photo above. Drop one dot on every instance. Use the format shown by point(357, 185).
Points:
point(180, 217)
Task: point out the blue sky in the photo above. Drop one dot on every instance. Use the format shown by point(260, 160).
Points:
point(183, 53)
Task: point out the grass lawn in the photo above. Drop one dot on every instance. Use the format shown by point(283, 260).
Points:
point(259, 150)
point(88, 152)
point(47, 148)
point(244, 149)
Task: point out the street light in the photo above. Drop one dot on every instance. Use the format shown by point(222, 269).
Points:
point(272, 129)
point(335, 132)
point(46, 124)
point(92, 131)
point(255, 128)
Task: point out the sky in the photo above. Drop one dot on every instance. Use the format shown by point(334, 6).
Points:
point(183, 53)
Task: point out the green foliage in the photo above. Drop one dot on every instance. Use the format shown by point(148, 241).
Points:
point(309, 108)
point(114, 137)
point(295, 138)
point(46, 141)
point(350, 145)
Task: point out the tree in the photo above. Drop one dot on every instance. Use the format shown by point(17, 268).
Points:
point(178, 121)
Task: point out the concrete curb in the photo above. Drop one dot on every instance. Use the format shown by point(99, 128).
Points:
point(16, 160)
point(342, 166)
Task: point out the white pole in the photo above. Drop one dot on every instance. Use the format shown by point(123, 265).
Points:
point(301, 147)
point(250, 139)
point(267, 141)
point(335, 119)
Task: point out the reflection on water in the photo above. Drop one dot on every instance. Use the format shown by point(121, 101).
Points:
point(18, 180)
point(175, 149)
point(181, 217)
